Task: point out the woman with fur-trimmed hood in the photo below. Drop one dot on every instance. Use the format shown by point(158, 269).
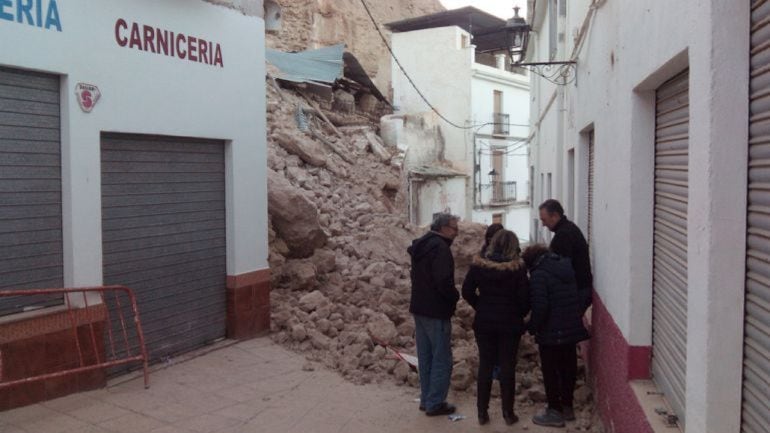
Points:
point(497, 287)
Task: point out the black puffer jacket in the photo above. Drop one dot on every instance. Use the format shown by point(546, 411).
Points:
point(433, 277)
point(556, 305)
point(502, 300)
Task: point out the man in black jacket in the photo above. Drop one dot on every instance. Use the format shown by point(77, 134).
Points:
point(433, 302)
point(568, 241)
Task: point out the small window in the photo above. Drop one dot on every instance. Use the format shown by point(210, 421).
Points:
point(497, 218)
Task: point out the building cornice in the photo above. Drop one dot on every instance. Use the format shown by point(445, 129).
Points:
point(497, 76)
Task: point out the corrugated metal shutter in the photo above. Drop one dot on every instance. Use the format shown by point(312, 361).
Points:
point(30, 187)
point(756, 364)
point(591, 169)
point(163, 222)
point(669, 312)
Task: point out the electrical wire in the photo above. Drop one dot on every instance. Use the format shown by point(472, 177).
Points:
point(425, 99)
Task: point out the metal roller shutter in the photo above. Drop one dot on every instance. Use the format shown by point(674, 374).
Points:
point(669, 311)
point(163, 222)
point(591, 168)
point(756, 364)
point(30, 187)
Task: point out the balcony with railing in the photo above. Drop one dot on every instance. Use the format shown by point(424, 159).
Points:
point(498, 193)
point(501, 123)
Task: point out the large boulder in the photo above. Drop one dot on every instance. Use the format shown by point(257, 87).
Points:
point(294, 217)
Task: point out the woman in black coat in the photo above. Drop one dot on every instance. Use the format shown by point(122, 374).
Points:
point(496, 287)
point(557, 324)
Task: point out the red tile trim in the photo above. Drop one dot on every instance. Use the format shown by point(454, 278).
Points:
point(248, 279)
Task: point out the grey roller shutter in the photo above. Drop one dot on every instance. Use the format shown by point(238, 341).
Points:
point(30, 188)
point(163, 222)
point(756, 363)
point(669, 312)
point(591, 169)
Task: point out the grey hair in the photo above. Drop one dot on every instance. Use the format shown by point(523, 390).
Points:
point(442, 220)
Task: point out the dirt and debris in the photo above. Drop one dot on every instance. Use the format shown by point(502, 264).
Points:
point(338, 239)
point(338, 220)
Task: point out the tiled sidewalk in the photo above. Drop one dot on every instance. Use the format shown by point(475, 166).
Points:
point(253, 386)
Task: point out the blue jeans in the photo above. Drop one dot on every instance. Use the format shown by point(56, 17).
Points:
point(434, 355)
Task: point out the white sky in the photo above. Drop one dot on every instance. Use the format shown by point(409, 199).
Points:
point(501, 8)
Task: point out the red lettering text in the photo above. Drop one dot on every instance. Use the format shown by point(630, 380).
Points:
point(179, 52)
point(203, 47)
point(149, 38)
point(192, 46)
point(159, 41)
point(121, 24)
point(136, 40)
point(218, 57)
point(162, 39)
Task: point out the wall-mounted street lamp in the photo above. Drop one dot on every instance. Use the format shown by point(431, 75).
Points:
point(517, 38)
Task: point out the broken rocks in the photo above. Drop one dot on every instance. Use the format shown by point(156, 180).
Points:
point(294, 217)
point(299, 275)
point(312, 301)
point(382, 328)
point(306, 149)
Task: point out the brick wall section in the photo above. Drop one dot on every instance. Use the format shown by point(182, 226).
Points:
point(47, 344)
point(248, 304)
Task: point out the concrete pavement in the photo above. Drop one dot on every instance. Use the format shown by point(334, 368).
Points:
point(252, 386)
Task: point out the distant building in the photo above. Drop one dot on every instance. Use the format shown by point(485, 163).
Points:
point(488, 154)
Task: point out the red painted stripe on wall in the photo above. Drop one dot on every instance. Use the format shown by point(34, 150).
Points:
point(612, 363)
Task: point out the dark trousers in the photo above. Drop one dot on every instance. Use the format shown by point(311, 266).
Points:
point(434, 360)
point(497, 348)
point(559, 364)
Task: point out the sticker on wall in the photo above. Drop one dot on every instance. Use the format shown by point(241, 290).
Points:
point(88, 95)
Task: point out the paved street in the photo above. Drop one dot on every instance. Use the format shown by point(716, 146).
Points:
point(253, 386)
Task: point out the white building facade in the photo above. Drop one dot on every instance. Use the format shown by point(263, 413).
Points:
point(489, 108)
point(648, 148)
point(132, 140)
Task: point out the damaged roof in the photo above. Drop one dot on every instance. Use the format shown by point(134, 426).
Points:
point(487, 30)
point(322, 66)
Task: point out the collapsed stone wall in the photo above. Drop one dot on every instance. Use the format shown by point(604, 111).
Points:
point(338, 239)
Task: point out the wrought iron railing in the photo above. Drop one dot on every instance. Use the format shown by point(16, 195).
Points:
point(498, 193)
point(501, 123)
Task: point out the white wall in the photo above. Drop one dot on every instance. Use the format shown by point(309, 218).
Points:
point(437, 195)
point(148, 93)
point(630, 49)
point(441, 68)
point(515, 90)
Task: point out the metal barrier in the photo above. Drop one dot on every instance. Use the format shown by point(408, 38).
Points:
point(121, 349)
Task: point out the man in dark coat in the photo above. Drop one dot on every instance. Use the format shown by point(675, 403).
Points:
point(556, 322)
point(433, 302)
point(568, 241)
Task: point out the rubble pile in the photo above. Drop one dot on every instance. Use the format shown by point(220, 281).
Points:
point(338, 237)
